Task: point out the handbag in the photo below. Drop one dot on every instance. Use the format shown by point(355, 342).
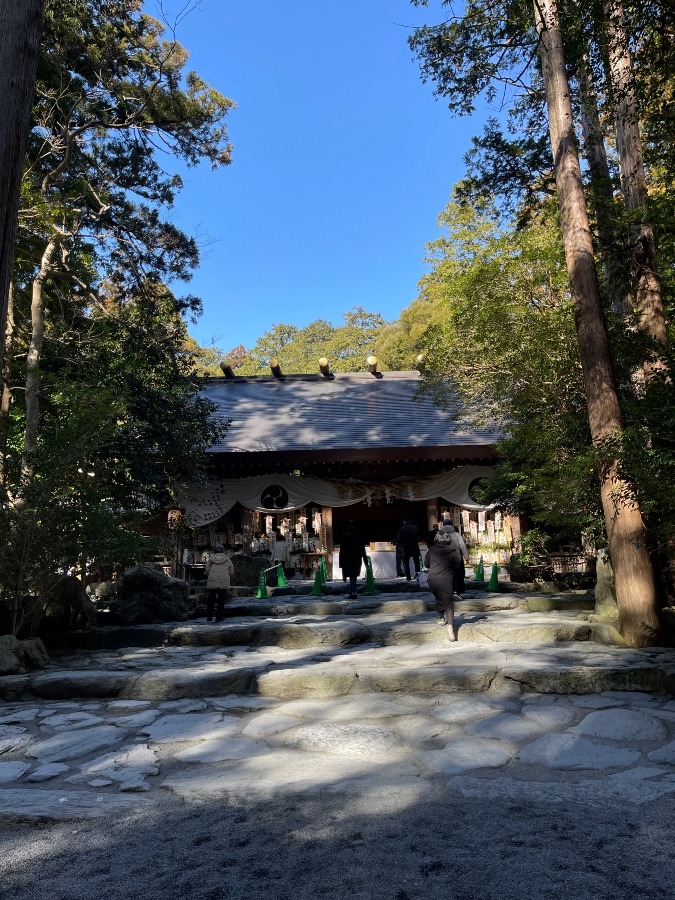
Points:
point(423, 580)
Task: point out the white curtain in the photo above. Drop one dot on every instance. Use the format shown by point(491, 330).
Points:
point(283, 493)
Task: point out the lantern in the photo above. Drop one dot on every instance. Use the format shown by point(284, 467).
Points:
point(174, 518)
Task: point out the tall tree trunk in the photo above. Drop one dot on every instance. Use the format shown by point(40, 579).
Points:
point(20, 31)
point(648, 298)
point(37, 315)
point(635, 589)
point(6, 400)
point(603, 195)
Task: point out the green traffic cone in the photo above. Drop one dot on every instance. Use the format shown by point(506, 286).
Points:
point(262, 586)
point(494, 578)
point(370, 580)
point(479, 572)
point(281, 578)
point(324, 569)
point(317, 590)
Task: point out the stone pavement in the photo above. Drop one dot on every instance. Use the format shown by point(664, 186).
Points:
point(368, 700)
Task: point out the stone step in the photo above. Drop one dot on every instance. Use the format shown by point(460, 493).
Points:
point(310, 630)
point(180, 672)
point(114, 636)
point(387, 602)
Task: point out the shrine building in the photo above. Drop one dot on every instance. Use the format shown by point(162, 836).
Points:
point(303, 454)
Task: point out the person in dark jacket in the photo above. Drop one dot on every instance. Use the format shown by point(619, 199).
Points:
point(352, 554)
point(443, 561)
point(459, 543)
point(431, 537)
point(408, 539)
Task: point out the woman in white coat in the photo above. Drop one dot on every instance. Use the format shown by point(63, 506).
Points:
point(218, 571)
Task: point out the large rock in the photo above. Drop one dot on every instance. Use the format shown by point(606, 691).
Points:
point(146, 595)
point(33, 654)
point(17, 656)
point(9, 655)
point(14, 687)
point(68, 684)
point(580, 679)
point(175, 684)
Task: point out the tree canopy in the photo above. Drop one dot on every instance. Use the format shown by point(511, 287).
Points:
point(298, 350)
point(101, 408)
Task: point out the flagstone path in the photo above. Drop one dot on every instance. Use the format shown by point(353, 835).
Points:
point(367, 698)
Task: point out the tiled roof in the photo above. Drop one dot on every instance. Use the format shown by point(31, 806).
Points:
point(351, 411)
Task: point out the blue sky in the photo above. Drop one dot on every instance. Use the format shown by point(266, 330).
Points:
point(342, 160)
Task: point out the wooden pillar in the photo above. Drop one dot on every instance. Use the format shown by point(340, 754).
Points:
point(327, 519)
point(432, 513)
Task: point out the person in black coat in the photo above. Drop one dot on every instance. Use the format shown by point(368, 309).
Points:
point(459, 543)
point(408, 540)
point(352, 554)
point(443, 560)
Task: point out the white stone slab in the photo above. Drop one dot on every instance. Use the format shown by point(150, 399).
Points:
point(463, 709)
point(550, 717)
point(12, 771)
point(35, 805)
point(10, 731)
point(71, 721)
point(664, 754)
point(243, 703)
point(633, 697)
point(139, 757)
point(191, 727)
point(417, 728)
point(14, 743)
point(666, 715)
point(346, 709)
point(47, 772)
point(74, 744)
point(220, 750)
point(183, 706)
point(621, 725)
point(465, 753)
point(594, 701)
point(570, 751)
point(100, 782)
point(347, 740)
point(135, 720)
point(60, 706)
point(269, 723)
point(118, 706)
point(134, 786)
point(19, 716)
point(284, 773)
point(505, 727)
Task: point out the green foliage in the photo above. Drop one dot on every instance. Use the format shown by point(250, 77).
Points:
point(299, 349)
point(503, 333)
point(120, 411)
point(533, 562)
